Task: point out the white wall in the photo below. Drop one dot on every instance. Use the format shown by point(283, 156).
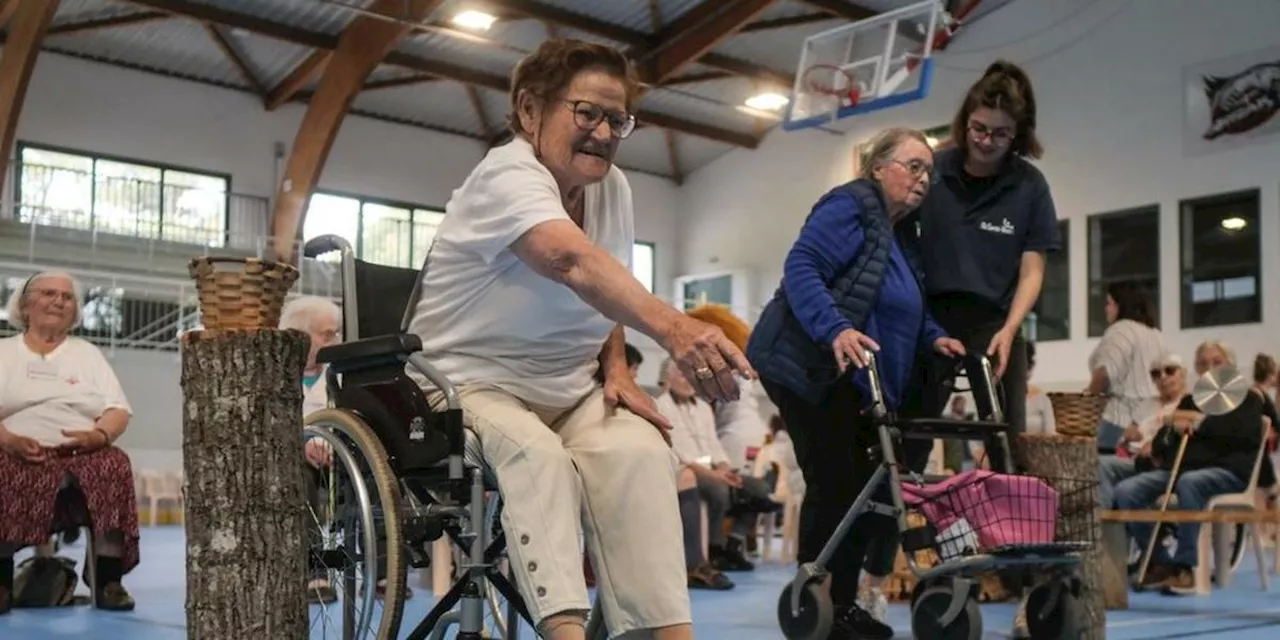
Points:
point(1108, 83)
point(99, 108)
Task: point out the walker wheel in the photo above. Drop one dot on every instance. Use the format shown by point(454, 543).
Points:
point(813, 622)
point(926, 616)
point(1063, 621)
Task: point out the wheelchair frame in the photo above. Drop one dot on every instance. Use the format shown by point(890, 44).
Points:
point(951, 581)
point(438, 492)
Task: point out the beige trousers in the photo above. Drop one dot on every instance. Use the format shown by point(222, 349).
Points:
point(607, 473)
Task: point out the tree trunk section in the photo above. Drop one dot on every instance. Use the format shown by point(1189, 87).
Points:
point(1070, 465)
point(245, 505)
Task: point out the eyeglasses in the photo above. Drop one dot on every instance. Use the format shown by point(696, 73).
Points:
point(999, 135)
point(917, 168)
point(589, 115)
point(1167, 372)
point(53, 294)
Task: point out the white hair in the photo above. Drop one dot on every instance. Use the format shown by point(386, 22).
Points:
point(16, 308)
point(1220, 346)
point(301, 313)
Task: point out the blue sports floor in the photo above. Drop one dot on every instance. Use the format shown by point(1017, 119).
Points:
point(1240, 612)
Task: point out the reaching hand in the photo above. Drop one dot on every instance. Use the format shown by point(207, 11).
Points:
point(81, 441)
point(621, 390)
point(851, 347)
point(1001, 344)
point(949, 347)
point(23, 448)
point(707, 358)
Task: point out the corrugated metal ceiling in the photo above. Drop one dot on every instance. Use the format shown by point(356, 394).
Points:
point(183, 47)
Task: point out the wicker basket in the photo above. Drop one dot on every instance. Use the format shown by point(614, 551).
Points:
point(1077, 414)
point(241, 293)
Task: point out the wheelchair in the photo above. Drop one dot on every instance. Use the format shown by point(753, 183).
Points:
point(402, 475)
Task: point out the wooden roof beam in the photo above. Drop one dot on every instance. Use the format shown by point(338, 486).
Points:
point(236, 58)
point(443, 70)
point(361, 47)
point(106, 23)
point(638, 41)
point(299, 78)
point(28, 22)
point(694, 34)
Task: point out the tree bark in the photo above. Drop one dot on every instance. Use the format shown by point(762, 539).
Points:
point(1070, 465)
point(245, 505)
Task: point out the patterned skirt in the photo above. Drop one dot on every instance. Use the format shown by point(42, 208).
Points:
point(30, 513)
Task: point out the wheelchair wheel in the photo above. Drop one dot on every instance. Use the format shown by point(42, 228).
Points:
point(1063, 620)
point(357, 535)
point(926, 615)
point(813, 622)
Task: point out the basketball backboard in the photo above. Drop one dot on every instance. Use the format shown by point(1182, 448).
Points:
point(876, 63)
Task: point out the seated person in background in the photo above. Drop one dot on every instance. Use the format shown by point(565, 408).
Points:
point(524, 296)
point(320, 319)
point(738, 423)
point(61, 411)
point(715, 483)
point(1134, 452)
point(784, 453)
point(1264, 380)
point(1218, 459)
point(634, 360)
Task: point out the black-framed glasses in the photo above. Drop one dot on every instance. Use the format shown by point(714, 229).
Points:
point(999, 135)
point(588, 115)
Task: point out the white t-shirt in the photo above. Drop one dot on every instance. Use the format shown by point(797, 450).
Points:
point(316, 396)
point(484, 316)
point(693, 430)
point(68, 389)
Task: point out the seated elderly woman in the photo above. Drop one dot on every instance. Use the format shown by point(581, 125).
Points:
point(1134, 451)
point(320, 319)
point(1219, 459)
point(524, 297)
point(61, 410)
point(848, 286)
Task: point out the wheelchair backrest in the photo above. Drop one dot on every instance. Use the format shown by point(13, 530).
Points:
point(385, 298)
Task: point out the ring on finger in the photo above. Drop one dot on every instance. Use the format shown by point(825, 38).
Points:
point(704, 373)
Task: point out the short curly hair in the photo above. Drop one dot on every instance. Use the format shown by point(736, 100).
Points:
point(547, 72)
point(734, 328)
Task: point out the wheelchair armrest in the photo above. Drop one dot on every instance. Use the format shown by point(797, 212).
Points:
point(370, 351)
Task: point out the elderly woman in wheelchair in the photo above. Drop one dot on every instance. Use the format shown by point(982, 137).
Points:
point(522, 299)
point(61, 411)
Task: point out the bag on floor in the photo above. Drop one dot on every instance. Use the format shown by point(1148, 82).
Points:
point(45, 582)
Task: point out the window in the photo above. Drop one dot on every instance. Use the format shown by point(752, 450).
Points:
point(1124, 246)
point(122, 197)
point(388, 233)
point(1221, 260)
point(642, 264)
point(1051, 318)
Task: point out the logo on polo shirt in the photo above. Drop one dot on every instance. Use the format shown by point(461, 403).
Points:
point(1005, 228)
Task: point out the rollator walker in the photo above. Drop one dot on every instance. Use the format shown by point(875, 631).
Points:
point(944, 604)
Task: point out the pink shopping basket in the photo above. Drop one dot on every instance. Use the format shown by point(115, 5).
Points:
point(1003, 510)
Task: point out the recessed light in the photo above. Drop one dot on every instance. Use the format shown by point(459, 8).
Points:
point(1234, 223)
point(767, 101)
point(477, 20)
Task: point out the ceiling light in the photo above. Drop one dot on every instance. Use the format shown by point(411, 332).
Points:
point(477, 20)
point(1234, 223)
point(767, 101)
point(933, 142)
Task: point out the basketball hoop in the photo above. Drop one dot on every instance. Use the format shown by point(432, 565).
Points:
point(820, 79)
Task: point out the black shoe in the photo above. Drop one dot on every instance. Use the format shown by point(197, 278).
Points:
point(706, 577)
point(6, 600)
point(730, 557)
point(853, 622)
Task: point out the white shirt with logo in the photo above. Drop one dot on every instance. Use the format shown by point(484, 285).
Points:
point(484, 316)
point(67, 389)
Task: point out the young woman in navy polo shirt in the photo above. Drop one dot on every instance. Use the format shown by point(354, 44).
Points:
point(985, 227)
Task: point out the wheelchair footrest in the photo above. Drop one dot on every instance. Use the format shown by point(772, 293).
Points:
point(419, 532)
